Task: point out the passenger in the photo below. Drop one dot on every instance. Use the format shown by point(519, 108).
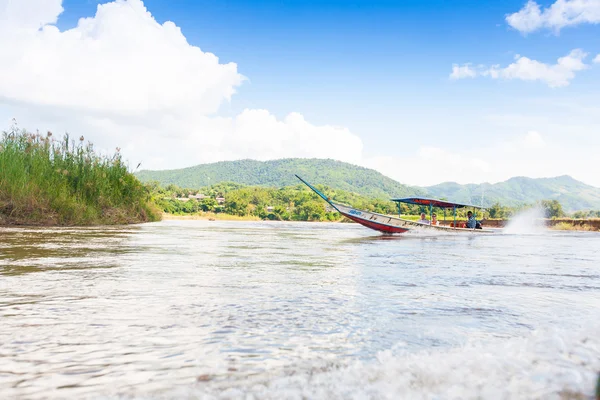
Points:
point(471, 221)
point(423, 220)
point(434, 220)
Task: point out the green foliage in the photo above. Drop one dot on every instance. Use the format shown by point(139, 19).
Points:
point(519, 191)
point(280, 173)
point(298, 203)
point(290, 203)
point(497, 211)
point(515, 192)
point(50, 181)
point(586, 214)
point(552, 209)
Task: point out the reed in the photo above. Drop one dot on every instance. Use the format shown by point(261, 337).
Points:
point(48, 181)
point(566, 226)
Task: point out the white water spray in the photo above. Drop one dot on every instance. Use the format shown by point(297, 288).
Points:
point(528, 222)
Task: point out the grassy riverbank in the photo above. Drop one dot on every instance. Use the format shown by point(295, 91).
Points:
point(44, 181)
point(576, 225)
point(562, 225)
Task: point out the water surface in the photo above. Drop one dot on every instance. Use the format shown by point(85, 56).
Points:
point(284, 310)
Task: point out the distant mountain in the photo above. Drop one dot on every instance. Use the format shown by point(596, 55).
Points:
point(278, 173)
point(571, 193)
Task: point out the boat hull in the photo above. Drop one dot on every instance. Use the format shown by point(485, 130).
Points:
point(386, 223)
point(389, 225)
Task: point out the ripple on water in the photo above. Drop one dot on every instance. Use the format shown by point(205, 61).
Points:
point(193, 309)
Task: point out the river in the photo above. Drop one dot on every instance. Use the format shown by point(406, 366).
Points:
point(270, 310)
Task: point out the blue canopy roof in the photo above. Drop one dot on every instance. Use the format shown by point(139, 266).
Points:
point(423, 201)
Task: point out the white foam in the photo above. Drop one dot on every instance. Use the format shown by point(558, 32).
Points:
point(528, 222)
point(544, 365)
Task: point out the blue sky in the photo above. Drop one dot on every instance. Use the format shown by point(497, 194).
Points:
point(381, 70)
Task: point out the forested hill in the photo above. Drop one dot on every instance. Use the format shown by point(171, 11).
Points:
point(279, 173)
point(571, 193)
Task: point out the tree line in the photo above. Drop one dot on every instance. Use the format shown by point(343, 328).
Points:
point(298, 203)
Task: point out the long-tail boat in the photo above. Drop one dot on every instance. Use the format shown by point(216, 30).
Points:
point(391, 224)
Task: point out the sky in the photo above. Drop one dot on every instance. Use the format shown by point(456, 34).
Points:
point(422, 91)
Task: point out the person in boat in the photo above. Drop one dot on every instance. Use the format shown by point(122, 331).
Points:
point(472, 223)
point(423, 219)
point(434, 220)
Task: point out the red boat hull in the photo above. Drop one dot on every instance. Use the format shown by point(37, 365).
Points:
point(376, 225)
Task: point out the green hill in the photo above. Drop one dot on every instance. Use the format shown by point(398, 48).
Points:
point(571, 193)
point(279, 173)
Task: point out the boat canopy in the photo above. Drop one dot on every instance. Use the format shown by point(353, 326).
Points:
point(423, 201)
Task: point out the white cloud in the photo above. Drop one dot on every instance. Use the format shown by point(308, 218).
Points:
point(431, 165)
point(560, 14)
point(292, 137)
point(25, 15)
point(555, 75)
point(524, 68)
point(121, 62)
point(597, 59)
point(533, 140)
point(527, 154)
point(121, 78)
point(464, 71)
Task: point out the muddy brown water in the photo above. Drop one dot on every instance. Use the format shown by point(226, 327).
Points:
point(211, 309)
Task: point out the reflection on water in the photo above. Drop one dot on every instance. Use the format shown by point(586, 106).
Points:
point(27, 250)
point(186, 308)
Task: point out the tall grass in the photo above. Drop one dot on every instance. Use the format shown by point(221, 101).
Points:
point(65, 182)
point(569, 226)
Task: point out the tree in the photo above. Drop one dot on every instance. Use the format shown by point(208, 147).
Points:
point(580, 214)
point(499, 211)
point(552, 209)
point(208, 204)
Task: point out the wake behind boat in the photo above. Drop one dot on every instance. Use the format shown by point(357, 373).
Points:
point(390, 224)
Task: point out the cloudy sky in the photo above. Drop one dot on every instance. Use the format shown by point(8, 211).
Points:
point(423, 91)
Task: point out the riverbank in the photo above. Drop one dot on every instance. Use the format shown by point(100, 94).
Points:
point(563, 224)
point(48, 182)
point(48, 218)
point(208, 216)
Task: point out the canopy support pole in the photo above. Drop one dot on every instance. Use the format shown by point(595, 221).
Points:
point(430, 213)
point(454, 212)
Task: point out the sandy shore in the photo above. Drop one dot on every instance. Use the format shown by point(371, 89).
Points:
point(563, 224)
point(209, 217)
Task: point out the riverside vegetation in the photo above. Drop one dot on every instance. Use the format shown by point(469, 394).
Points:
point(48, 181)
point(298, 203)
point(290, 203)
point(573, 195)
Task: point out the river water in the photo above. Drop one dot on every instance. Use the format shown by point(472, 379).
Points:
point(268, 310)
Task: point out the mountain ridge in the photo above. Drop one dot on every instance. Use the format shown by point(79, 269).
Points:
point(279, 173)
point(515, 191)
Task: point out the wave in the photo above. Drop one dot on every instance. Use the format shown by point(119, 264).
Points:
point(550, 364)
